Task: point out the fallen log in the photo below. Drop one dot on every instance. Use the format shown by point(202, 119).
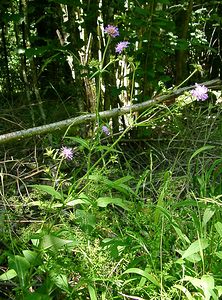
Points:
point(25, 133)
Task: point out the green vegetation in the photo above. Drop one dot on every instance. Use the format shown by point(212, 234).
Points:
point(127, 206)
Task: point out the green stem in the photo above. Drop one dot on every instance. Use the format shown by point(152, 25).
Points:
point(185, 79)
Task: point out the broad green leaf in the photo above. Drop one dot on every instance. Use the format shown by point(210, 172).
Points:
point(219, 289)
point(85, 218)
point(205, 283)
point(218, 227)
point(78, 201)
point(92, 292)
point(21, 265)
point(104, 201)
point(31, 256)
point(208, 214)
point(184, 290)
point(195, 247)
point(53, 242)
point(8, 275)
point(144, 274)
point(194, 258)
point(49, 190)
point(60, 280)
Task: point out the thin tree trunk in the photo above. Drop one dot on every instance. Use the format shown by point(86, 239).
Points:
point(8, 78)
point(182, 25)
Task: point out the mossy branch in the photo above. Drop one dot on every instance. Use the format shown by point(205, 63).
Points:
point(22, 134)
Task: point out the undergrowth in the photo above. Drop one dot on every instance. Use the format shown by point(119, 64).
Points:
point(118, 218)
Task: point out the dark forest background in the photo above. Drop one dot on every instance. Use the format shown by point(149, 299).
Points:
point(49, 50)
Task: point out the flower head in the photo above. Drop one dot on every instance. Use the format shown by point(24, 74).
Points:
point(67, 153)
point(112, 31)
point(105, 129)
point(121, 46)
point(200, 92)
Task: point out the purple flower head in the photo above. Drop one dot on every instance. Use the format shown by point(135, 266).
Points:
point(105, 129)
point(200, 92)
point(67, 153)
point(121, 46)
point(112, 31)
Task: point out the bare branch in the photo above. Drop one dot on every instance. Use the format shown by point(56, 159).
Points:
point(22, 134)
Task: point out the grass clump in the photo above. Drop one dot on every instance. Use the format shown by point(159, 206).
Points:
point(115, 221)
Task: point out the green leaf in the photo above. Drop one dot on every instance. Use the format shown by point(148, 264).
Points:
point(208, 214)
point(218, 254)
point(105, 201)
point(219, 289)
point(8, 275)
point(21, 265)
point(92, 293)
point(144, 274)
point(184, 290)
point(117, 185)
point(60, 280)
point(195, 247)
point(49, 190)
point(31, 256)
point(82, 142)
point(78, 201)
point(206, 284)
point(53, 242)
point(218, 227)
point(198, 151)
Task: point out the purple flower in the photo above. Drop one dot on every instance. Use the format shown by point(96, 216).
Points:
point(105, 129)
point(112, 31)
point(200, 92)
point(67, 153)
point(121, 46)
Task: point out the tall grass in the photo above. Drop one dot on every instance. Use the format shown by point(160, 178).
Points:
point(123, 219)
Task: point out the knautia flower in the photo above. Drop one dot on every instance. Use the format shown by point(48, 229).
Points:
point(200, 92)
point(105, 129)
point(121, 46)
point(112, 31)
point(67, 153)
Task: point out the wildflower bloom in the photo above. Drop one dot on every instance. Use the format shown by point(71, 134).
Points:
point(200, 92)
point(112, 31)
point(67, 153)
point(105, 129)
point(121, 46)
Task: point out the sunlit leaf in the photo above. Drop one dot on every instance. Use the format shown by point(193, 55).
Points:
point(53, 242)
point(92, 292)
point(208, 214)
point(218, 227)
point(8, 275)
point(185, 291)
point(105, 201)
point(49, 190)
point(144, 274)
point(195, 247)
point(31, 256)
